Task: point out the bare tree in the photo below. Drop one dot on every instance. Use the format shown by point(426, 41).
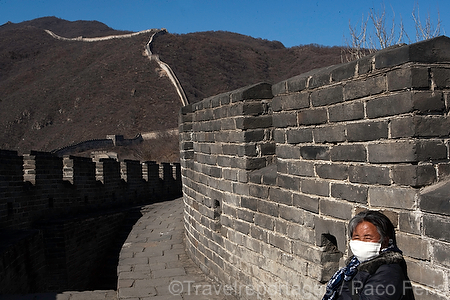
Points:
point(384, 36)
point(374, 33)
point(427, 31)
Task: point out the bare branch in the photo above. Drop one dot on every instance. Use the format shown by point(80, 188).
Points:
point(364, 40)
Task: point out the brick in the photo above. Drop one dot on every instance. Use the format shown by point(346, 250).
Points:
point(344, 71)
point(365, 65)
point(253, 108)
point(287, 151)
point(441, 77)
point(441, 253)
point(346, 112)
point(332, 171)
point(239, 188)
point(413, 246)
point(254, 135)
point(253, 163)
point(363, 88)
point(404, 102)
point(255, 91)
point(367, 131)
point(413, 175)
point(281, 226)
point(289, 182)
point(292, 214)
point(327, 96)
point(280, 196)
point(266, 148)
point(241, 226)
point(329, 134)
point(420, 126)
point(280, 242)
point(268, 208)
point(423, 273)
point(315, 187)
point(300, 232)
point(312, 116)
point(426, 101)
point(297, 83)
point(395, 197)
point(227, 124)
point(306, 252)
point(259, 191)
point(315, 152)
point(427, 150)
point(391, 56)
point(279, 136)
point(220, 112)
point(258, 233)
point(408, 78)
point(290, 102)
point(337, 209)
point(369, 174)
point(279, 88)
point(403, 127)
point(443, 170)
point(320, 77)
point(250, 203)
point(284, 119)
point(410, 222)
point(254, 122)
point(393, 152)
point(355, 153)
point(306, 202)
point(436, 198)
point(390, 105)
point(350, 192)
point(264, 221)
point(299, 135)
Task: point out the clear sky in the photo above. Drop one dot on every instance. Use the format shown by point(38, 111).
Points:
point(292, 22)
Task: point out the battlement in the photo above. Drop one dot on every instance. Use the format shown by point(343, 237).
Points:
point(273, 173)
point(39, 185)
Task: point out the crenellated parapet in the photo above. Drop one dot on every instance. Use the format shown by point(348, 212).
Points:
point(39, 185)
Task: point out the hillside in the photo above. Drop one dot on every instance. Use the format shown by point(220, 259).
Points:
point(55, 93)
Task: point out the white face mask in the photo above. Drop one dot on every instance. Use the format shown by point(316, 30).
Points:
point(364, 250)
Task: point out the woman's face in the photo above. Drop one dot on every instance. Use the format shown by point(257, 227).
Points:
point(366, 232)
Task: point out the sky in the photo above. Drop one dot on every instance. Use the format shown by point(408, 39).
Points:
point(292, 22)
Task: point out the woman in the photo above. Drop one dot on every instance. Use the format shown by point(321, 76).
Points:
point(377, 270)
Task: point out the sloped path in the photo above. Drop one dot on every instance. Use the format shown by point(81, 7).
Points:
point(153, 264)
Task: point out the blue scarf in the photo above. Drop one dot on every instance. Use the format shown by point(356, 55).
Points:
point(344, 274)
point(347, 273)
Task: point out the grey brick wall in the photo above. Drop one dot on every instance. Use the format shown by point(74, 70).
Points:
point(290, 167)
point(40, 188)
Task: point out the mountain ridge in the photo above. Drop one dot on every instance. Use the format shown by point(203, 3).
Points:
point(56, 93)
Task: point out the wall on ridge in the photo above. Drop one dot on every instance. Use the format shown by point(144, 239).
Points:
point(273, 173)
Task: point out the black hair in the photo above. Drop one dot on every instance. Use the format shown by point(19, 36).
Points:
point(384, 226)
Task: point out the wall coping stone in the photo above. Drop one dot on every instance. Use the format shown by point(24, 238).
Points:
point(429, 51)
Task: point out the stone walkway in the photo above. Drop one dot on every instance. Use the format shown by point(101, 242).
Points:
point(153, 264)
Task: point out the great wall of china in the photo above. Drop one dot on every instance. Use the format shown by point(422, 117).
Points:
point(60, 215)
point(101, 143)
point(270, 176)
point(273, 173)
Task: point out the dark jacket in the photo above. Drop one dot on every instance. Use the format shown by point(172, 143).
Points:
point(381, 278)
